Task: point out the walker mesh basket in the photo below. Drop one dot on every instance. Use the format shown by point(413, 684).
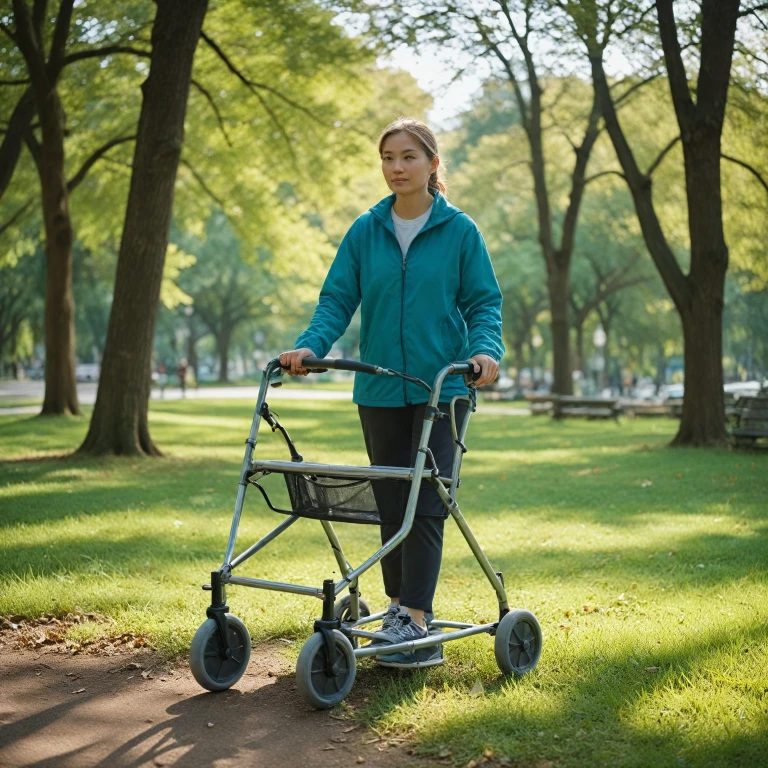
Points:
point(348, 500)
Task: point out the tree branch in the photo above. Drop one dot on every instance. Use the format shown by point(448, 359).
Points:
point(199, 179)
point(215, 109)
point(633, 87)
point(59, 41)
point(755, 9)
point(748, 167)
point(604, 173)
point(107, 50)
point(657, 162)
point(23, 81)
point(678, 79)
point(17, 215)
point(253, 88)
point(8, 32)
point(75, 181)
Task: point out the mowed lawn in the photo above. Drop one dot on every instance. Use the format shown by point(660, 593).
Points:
point(647, 568)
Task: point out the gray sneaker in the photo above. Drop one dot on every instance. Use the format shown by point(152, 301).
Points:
point(404, 630)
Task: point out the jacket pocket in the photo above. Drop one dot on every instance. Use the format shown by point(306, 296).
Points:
point(454, 333)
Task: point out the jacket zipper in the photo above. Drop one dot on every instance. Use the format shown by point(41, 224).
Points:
point(402, 337)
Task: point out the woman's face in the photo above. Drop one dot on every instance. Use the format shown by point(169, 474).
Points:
point(405, 164)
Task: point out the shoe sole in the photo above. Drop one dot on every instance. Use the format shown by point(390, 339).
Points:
point(381, 661)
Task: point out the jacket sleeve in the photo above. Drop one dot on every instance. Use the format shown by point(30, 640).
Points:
point(339, 298)
point(480, 297)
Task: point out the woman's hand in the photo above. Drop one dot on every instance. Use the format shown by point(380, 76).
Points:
point(291, 361)
point(489, 367)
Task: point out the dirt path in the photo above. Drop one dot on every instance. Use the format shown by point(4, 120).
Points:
point(132, 709)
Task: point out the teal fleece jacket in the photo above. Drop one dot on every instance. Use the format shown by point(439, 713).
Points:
point(438, 305)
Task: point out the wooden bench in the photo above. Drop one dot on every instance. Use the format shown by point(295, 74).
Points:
point(586, 407)
point(752, 422)
point(634, 408)
point(540, 404)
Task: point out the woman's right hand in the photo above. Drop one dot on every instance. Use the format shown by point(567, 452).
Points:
point(291, 361)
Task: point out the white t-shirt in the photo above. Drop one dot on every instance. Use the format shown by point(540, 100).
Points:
point(407, 229)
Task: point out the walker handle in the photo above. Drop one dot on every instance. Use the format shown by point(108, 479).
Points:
point(468, 369)
point(324, 363)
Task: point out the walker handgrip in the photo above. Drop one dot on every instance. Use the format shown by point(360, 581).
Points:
point(468, 369)
point(339, 365)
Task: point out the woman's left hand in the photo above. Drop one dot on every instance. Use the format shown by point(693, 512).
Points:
point(489, 367)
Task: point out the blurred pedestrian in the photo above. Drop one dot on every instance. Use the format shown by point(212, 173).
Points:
point(181, 372)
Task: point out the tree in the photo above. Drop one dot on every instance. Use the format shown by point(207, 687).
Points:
point(45, 54)
point(700, 112)
point(119, 423)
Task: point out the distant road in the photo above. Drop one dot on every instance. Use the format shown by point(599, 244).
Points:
point(86, 392)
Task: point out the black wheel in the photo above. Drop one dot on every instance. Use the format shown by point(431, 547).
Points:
point(316, 687)
point(518, 643)
point(209, 669)
point(343, 609)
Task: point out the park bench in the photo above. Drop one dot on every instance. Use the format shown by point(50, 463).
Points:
point(586, 407)
point(752, 422)
point(540, 404)
point(634, 408)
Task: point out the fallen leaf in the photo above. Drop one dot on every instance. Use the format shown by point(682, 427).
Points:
point(590, 608)
point(444, 752)
point(328, 748)
point(651, 670)
point(79, 690)
point(351, 728)
point(339, 739)
point(646, 483)
point(477, 689)
point(147, 674)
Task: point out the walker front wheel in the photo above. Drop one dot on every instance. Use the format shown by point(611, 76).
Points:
point(214, 671)
point(317, 687)
point(518, 643)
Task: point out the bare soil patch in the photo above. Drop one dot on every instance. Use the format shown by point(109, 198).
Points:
point(117, 704)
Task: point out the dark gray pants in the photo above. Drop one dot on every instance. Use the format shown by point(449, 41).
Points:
point(392, 438)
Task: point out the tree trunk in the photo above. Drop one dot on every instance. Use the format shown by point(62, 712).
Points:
point(558, 278)
point(119, 424)
point(579, 359)
point(60, 387)
point(222, 348)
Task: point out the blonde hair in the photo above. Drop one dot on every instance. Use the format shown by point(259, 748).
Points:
point(423, 134)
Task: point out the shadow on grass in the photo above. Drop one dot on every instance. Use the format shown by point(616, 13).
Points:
point(610, 710)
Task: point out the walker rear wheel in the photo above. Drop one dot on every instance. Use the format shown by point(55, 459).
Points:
point(205, 659)
point(319, 689)
point(343, 609)
point(518, 643)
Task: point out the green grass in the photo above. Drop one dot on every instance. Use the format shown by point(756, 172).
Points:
point(669, 546)
point(17, 401)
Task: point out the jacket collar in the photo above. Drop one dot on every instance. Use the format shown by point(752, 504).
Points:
point(442, 211)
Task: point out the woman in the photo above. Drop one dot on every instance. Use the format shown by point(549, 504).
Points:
point(421, 272)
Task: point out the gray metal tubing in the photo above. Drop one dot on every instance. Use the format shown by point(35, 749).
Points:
point(458, 456)
point(413, 497)
point(336, 547)
point(264, 541)
point(249, 446)
point(383, 649)
point(453, 507)
point(336, 470)
point(276, 586)
point(451, 624)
